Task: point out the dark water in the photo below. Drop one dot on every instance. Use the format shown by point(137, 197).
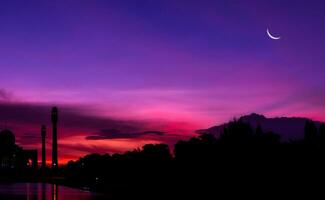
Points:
point(42, 191)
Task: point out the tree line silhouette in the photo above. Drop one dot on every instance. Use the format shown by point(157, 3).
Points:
point(205, 163)
point(241, 159)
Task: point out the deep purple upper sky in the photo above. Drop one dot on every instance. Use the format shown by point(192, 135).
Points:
point(176, 65)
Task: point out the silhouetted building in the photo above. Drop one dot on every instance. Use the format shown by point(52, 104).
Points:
point(43, 134)
point(13, 156)
point(54, 137)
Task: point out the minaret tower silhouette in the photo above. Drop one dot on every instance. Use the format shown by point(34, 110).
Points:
point(54, 138)
point(43, 134)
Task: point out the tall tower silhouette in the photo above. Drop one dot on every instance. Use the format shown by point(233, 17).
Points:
point(43, 134)
point(54, 137)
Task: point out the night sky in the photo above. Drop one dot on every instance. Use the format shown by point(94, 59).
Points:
point(125, 73)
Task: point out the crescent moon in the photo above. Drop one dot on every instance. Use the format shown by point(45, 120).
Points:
point(271, 36)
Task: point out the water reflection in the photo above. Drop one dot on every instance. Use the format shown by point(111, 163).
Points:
point(54, 192)
point(42, 191)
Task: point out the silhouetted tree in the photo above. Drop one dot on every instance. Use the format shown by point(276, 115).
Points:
point(310, 132)
point(322, 134)
point(197, 148)
point(237, 133)
point(270, 138)
point(259, 130)
point(156, 152)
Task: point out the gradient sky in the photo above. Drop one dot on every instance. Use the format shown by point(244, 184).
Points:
point(125, 73)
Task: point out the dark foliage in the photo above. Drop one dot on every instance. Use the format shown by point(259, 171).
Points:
point(242, 160)
point(204, 163)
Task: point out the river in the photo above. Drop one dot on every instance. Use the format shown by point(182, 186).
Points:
point(43, 191)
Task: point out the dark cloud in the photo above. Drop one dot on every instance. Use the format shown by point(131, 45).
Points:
point(88, 148)
point(70, 118)
point(28, 139)
point(116, 134)
point(24, 113)
point(4, 94)
point(31, 136)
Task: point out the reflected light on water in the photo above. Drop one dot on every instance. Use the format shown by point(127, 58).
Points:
point(43, 191)
point(54, 192)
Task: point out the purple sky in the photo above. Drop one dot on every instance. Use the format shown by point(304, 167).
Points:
point(169, 66)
